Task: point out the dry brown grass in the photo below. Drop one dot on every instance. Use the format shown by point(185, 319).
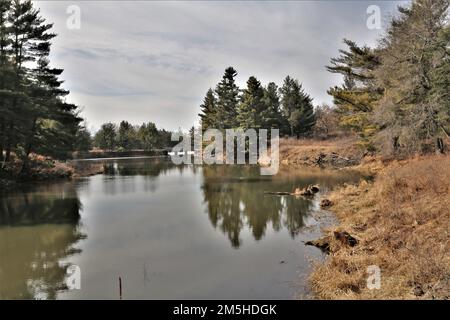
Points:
point(312, 144)
point(308, 151)
point(85, 169)
point(402, 224)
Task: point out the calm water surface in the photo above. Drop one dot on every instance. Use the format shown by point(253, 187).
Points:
point(170, 232)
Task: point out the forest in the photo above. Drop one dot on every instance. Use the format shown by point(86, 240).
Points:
point(35, 116)
point(126, 136)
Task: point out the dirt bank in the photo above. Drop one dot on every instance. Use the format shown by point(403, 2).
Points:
point(401, 224)
point(44, 169)
point(85, 169)
point(337, 153)
point(40, 169)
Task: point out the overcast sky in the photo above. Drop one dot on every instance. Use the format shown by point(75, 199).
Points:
point(154, 61)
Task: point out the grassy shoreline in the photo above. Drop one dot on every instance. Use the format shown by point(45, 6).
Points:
point(44, 169)
point(333, 153)
point(401, 222)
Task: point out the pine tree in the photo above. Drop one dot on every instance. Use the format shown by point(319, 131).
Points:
point(208, 115)
point(165, 139)
point(297, 107)
point(34, 115)
point(126, 136)
point(356, 98)
point(51, 123)
point(252, 106)
point(148, 135)
point(272, 116)
point(17, 29)
point(83, 139)
point(105, 138)
point(227, 100)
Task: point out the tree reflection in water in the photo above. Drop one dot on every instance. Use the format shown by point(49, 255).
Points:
point(234, 196)
point(148, 167)
point(38, 228)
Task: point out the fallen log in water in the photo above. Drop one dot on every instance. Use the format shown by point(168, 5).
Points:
point(281, 193)
point(308, 191)
point(324, 243)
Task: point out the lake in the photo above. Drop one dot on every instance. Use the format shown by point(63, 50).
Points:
point(169, 232)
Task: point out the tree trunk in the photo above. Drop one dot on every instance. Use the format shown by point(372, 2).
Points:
point(2, 141)
point(25, 167)
point(395, 144)
point(8, 152)
point(9, 143)
point(447, 134)
point(25, 161)
point(440, 145)
point(25, 164)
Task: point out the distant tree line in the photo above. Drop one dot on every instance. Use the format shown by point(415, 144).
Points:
point(396, 96)
point(288, 108)
point(34, 116)
point(126, 136)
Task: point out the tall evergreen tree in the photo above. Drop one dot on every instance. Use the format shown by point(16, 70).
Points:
point(252, 106)
point(51, 123)
point(227, 100)
point(148, 135)
point(356, 98)
point(272, 116)
point(83, 139)
point(105, 138)
point(34, 116)
point(126, 136)
point(165, 139)
point(17, 29)
point(297, 107)
point(208, 115)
